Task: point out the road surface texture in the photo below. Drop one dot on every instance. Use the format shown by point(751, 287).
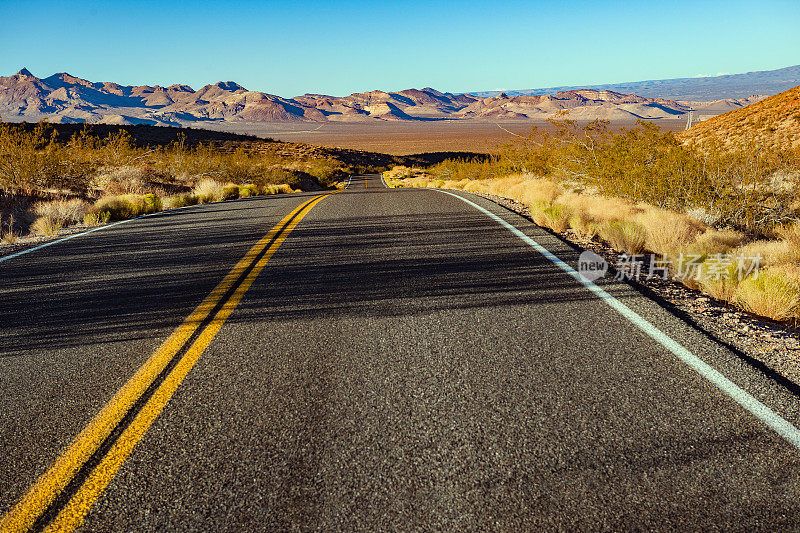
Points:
point(401, 362)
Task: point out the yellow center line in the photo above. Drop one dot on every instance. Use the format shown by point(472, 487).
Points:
point(365, 182)
point(23, 515)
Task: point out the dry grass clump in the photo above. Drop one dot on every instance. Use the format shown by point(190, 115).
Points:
point(64, 211)
point(46, 226)
point(478, 186)
point(772, 253)
point(624, 235)
point(282, 188)
point(209, 190)
point(553, 216)
point(584, 225)
point(714, 241)
point(400, 172)
point(538, 190)
point(7, 233)
point(719, 276)
point(667, 232)
point(774, 293)
point(502, 186)
point(600, 208)
point(125, 179)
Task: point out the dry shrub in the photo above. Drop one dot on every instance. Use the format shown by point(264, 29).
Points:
point(705, 216)
point(64, 211)
point(208, 191)
point(683, 271)
point(46, 226)
point(668, 232)
point(121, 180)
point(790, 233)
point(7, 233)
point(116, 207)
point(774, 293)
point(174, 202)
point(624, 236)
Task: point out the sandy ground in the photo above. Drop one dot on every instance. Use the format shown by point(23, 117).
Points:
point(403, 138)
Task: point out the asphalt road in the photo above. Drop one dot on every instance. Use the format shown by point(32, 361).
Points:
point(402, 362)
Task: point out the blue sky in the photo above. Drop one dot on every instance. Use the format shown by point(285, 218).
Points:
point(339, 47)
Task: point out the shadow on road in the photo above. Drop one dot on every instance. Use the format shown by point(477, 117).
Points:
point(130, 283)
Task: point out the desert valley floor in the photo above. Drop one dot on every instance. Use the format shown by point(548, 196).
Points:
point(406, 137)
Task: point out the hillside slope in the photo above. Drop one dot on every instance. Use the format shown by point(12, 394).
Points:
point(773, 123)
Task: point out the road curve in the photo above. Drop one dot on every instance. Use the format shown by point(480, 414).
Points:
point(400, 361)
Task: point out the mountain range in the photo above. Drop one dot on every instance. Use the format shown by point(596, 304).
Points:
point(700, 88)
point(66, 98)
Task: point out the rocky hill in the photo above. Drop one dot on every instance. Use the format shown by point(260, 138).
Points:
point(63, 98)
point(772, 122)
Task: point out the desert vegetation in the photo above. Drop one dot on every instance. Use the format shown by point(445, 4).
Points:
point(48, 182)
point(726, 218)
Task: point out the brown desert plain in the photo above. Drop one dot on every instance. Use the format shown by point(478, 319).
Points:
point(405, 138)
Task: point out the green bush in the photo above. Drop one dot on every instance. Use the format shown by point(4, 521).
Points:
point(127, 206)
point(230, 192)
point(152, 203)
point(247, 190)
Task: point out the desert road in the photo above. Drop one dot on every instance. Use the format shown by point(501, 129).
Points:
point(372, 359)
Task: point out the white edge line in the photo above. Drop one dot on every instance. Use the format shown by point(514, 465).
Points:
point(383, 180)
point(74, 235)
point(68, 237)
point(755, 407)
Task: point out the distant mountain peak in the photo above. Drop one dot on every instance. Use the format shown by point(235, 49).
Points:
point(229, 86)
point(25, 72)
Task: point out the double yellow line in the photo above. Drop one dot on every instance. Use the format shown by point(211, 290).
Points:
point(59, 500)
